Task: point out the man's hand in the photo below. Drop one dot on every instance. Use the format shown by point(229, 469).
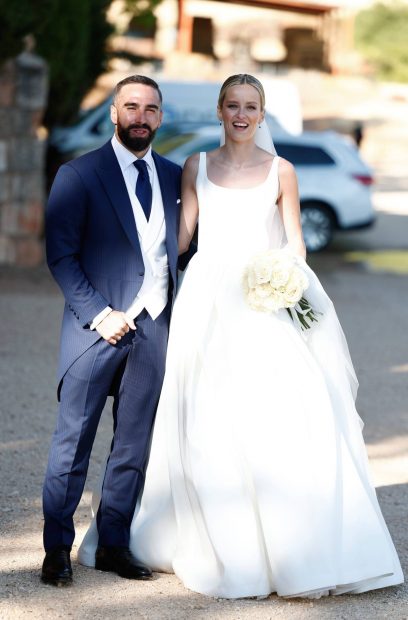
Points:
point(114, 326)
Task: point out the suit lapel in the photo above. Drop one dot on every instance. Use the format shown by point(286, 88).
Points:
point(112, 179)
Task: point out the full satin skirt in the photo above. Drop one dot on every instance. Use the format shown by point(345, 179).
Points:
point(258, 479)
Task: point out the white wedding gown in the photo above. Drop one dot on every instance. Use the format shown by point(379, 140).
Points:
point(258, 479)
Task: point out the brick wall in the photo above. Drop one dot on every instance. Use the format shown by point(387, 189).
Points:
point(23, 97)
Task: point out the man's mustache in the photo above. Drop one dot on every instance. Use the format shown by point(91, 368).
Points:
point(140, 126)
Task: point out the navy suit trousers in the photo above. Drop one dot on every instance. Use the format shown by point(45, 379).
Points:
point(133, 371)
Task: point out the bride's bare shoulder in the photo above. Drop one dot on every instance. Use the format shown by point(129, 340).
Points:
point(286, 169)
point(190, 168)
point(192, 161)
point(287, 175)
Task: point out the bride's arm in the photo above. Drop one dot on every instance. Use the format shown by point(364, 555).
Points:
point(189, 203)
point(289, 207)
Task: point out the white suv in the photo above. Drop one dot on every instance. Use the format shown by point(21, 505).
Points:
point(334, 182)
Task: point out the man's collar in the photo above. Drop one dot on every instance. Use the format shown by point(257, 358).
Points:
point(126, 157)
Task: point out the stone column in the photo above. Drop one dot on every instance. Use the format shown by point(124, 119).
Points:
point(23, 97)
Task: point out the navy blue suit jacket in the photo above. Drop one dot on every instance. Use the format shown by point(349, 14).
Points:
point(93, 249)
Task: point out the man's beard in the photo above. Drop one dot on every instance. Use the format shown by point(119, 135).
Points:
point(135, 143)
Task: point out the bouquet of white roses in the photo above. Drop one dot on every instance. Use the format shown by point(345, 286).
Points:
point(273, 280)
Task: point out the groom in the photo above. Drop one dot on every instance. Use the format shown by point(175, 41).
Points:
point(111, 231)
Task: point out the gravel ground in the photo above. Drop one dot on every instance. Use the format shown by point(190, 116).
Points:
point(372, 308)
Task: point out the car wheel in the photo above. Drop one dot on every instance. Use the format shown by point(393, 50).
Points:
point(317, 225)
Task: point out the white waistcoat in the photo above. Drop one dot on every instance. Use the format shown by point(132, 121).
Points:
point(153, 294)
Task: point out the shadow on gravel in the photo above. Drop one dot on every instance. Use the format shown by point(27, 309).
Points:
point(24, 580)
point(105, 597)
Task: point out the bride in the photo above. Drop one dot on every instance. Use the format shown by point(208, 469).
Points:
point(258, 479)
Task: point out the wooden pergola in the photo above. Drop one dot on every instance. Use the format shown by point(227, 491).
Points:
point(185, 22)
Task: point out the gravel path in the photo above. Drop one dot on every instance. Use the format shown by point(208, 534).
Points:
point(30, 309)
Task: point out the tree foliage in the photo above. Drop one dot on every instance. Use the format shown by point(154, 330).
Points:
point(381, 35)
point(74, 43)
point(71, 35)
point(143, 20)
point(17, 19)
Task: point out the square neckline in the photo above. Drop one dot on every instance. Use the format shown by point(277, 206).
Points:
point(203, 154)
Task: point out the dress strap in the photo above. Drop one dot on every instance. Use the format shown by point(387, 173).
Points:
point(202, 164)
point(275, 173)
point(202, 169)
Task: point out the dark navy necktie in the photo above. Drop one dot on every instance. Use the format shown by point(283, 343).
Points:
point(143, 187)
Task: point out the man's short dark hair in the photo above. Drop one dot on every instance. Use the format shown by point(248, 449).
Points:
point(136, 79)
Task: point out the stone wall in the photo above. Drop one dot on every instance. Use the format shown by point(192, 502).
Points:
point(23, 97)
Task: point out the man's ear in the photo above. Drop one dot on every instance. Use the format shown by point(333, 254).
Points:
point(114, 115)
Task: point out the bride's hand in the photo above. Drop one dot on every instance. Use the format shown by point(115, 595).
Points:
point(297, 250)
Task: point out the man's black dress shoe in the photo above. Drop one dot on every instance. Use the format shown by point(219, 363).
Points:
point(121, 561)
point(56, 568)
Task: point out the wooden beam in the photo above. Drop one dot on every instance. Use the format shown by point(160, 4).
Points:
point(310, 8)
point(185, 29)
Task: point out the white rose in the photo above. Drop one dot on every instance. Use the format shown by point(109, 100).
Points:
point(253, 301)
point(252, 281)
point(263, 290)
point(295, 287)
point(303, 279)
point(262, 268)
point(281, 271)
point(274, 302)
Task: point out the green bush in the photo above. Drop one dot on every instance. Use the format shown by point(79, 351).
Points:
point(74, 44)
point(18, 19)
point(381, 36)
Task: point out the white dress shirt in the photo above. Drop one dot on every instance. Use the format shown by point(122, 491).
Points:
point(152, 235)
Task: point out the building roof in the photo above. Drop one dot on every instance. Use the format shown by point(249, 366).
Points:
point(312, 8)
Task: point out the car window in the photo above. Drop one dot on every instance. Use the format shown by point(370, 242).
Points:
point(165, 143)
point(302, 155)
point(186, 143)
point(103, 126)
point(205, 145)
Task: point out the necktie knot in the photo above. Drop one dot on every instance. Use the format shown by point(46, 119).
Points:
point(140, 166)
point(143, 187)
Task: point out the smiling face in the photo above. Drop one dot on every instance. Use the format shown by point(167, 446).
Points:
point(137, 114)
point(241, 112)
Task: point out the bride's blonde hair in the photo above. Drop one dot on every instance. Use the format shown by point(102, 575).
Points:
point(237, 80)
